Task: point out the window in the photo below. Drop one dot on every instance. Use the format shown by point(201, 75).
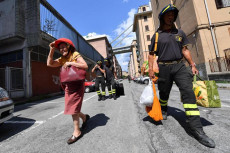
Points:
point(11, 57)
point(148, 37)
point(16, 78)
point(146, 28)
point(222, 3)
point(145, 18)
point(144, 9)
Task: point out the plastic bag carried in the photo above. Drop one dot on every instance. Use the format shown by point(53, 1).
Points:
point(147, 95)
point(155, 111)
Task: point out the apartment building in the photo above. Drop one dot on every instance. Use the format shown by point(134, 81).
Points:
point(207, 26)
point(134, 67)
point(102, 45)
point(144, 27)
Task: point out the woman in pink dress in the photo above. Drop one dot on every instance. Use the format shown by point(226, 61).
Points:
point(74, 91)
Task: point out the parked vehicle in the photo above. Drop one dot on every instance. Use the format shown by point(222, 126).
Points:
point(145, 80)
point(120, 80)
point(137, 79)
point(6, 106)
point(89, 86)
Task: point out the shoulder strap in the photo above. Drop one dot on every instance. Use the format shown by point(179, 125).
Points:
point(156, 41)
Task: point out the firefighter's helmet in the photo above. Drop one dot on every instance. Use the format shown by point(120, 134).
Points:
point(166, 9)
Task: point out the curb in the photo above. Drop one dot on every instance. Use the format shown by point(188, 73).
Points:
point(35, 98)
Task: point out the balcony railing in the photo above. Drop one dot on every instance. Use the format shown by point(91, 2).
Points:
point(221, 64)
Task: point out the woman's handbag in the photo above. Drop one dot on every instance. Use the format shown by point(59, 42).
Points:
point(71, 74)
point(206, 92)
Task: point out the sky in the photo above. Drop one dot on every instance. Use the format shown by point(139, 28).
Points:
point(102, 17)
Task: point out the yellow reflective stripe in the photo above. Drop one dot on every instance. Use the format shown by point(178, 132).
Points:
point(114, 89)
point(164, 101)
point(156, 41)
point(164, 104)
point(190, 105)
point(103, 93)
point(166, 9)
point(192, 113)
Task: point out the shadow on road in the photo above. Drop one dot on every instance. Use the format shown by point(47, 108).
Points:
point(179, 115)
point(10, 128)
point(95, 121)
point(149, 119)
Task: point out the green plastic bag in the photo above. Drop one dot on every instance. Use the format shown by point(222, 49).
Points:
point(206, 92)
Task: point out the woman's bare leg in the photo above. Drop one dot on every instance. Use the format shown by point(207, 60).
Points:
point(77, 131)
point(82, 116)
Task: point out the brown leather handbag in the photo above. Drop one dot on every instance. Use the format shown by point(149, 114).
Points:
point(71, 74)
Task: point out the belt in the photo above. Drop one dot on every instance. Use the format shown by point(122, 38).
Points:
point(171, 62)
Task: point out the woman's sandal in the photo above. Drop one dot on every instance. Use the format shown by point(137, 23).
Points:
point(73, 139)
point(85, 123)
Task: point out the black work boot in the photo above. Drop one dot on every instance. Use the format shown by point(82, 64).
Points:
point(200, 136)
point(103, 98)
point(164, 114)
point(114, 97)
point(99, 98)
point(110, 96)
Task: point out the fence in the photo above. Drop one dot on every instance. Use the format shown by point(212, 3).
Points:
point(220, 65)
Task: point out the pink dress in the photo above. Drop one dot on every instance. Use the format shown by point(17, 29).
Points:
point(74, 91)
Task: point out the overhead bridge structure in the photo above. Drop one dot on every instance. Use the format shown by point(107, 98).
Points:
point(120, 50)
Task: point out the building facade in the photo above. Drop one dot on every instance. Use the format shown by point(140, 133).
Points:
point(134, 67)
point(144, 27)
point(26, 29)
point(207, 26)
point(102, 45)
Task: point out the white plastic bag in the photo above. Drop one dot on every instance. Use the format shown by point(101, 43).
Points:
point(147, 95)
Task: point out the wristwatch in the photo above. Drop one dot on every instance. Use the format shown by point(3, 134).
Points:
point(192, 65)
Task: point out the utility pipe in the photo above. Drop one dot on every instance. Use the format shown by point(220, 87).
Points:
point(212, 32)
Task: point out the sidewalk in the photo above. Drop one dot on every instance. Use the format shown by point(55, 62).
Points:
point(23, 100)
point(223, 85)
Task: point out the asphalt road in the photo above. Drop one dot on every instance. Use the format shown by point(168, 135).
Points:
point(120, 126)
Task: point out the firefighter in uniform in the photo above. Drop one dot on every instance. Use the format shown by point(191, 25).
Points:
point(110, 76)
point(100, 79)
point(171, 48)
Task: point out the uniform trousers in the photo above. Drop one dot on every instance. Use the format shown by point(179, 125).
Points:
point(180, 74)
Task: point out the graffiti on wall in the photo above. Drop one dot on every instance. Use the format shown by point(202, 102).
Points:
point(56, 79)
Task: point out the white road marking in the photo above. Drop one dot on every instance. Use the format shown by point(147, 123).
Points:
point(56, 115)
point(24, 122)
point(89, 98)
